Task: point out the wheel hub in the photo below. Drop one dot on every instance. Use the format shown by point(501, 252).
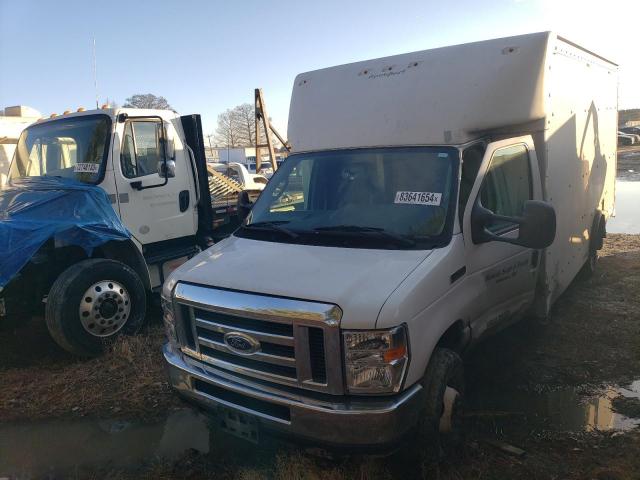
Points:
point(104, 308)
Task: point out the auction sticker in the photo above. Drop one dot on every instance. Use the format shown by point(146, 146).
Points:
point(419, 198)
point(86, 167)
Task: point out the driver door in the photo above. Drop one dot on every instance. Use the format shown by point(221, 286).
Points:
point(159, 210)
point(504, 275)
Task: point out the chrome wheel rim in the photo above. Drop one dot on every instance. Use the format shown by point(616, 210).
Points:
point(105, 308)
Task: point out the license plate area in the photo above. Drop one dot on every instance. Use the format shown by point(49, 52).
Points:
point(238, 424)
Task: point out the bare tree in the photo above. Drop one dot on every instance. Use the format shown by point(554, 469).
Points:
point(227, 133)
point(147, 100)
point(237, 127)
point(244, 117)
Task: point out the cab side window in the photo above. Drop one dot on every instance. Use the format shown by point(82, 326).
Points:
point(141, 148)
point(507, 185)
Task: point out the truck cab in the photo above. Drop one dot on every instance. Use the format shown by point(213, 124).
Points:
point(150, 166)
point(430, 199)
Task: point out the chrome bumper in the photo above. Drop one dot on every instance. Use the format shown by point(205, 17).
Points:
point(320, 418)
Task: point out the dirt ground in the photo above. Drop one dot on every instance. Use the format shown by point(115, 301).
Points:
point(591, 342)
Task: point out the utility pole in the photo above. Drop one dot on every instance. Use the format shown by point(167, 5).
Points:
point(95, 72)
point(210, 146)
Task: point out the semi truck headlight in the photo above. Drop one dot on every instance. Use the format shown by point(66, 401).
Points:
point(169, 318)
point(375, 360)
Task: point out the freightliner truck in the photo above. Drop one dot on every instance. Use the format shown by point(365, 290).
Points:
point(431, 199)
point(152, 168)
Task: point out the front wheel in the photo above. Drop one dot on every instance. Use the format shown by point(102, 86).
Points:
point(442, 426)
point(94, 300)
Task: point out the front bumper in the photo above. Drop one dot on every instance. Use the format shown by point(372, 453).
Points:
point(319, 418)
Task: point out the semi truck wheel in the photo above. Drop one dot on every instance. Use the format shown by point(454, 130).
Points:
point(444, 386)
point(92, 301)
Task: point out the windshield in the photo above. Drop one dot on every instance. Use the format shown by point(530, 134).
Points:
point(72, 147)
point(367, 198)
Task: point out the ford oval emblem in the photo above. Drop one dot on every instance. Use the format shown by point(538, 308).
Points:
point(241, 343)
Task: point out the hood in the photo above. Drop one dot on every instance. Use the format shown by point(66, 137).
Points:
point(359, 281)
point(34, 210)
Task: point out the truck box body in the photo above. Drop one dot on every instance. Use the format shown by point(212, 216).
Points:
point(541, 84)
point(430, 199)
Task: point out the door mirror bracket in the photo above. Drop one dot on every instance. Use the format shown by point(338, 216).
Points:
point(537, 225)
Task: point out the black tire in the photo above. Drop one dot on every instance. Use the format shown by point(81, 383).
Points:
point(67, 295)
point(445, 373)
point(589, 268)
point(595, 243)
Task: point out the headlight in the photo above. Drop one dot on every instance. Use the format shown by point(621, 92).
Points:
point(169, 318)
point(375, 360)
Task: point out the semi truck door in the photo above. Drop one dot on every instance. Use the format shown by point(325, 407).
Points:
point(503, 275)
point(152, 209)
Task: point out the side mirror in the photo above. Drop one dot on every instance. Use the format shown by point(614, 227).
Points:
point(167, 169)
point(537, 226)
point(170, 141)
point(244, 205)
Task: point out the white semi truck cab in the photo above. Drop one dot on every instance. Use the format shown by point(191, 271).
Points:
point(151, 165)
point(431, 199)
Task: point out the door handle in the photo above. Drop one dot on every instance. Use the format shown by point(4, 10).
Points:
point(183, 200)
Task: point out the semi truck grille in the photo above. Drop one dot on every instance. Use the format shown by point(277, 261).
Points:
point(292, 342)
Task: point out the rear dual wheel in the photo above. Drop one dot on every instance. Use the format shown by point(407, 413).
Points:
point(93, 301)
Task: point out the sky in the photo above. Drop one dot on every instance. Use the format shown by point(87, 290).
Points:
point(208, 56)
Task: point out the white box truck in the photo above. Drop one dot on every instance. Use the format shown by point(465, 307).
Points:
point(431, 198)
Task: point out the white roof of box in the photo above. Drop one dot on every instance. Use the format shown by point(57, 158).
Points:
point(439, 96)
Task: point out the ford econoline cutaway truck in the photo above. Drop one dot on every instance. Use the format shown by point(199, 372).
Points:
point(431, 199)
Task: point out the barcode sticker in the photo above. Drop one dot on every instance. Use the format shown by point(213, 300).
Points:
point(419, 198)
point(86, 167)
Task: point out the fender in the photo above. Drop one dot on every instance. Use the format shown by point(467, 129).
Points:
point(125, 251)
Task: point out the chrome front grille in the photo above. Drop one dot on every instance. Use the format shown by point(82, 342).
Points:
point(299, 341)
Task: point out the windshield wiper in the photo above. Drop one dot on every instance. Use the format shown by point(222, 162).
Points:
point(371, 231)
point(275, 225)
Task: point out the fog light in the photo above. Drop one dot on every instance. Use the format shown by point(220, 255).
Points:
point(375, 360)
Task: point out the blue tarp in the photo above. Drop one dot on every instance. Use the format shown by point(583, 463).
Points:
point(33, 210)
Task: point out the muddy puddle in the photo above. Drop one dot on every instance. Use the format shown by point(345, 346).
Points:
point(44, 448)
point(561, 410)
point(627, 219)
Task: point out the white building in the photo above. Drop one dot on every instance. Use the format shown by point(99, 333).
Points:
point(12, 121)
